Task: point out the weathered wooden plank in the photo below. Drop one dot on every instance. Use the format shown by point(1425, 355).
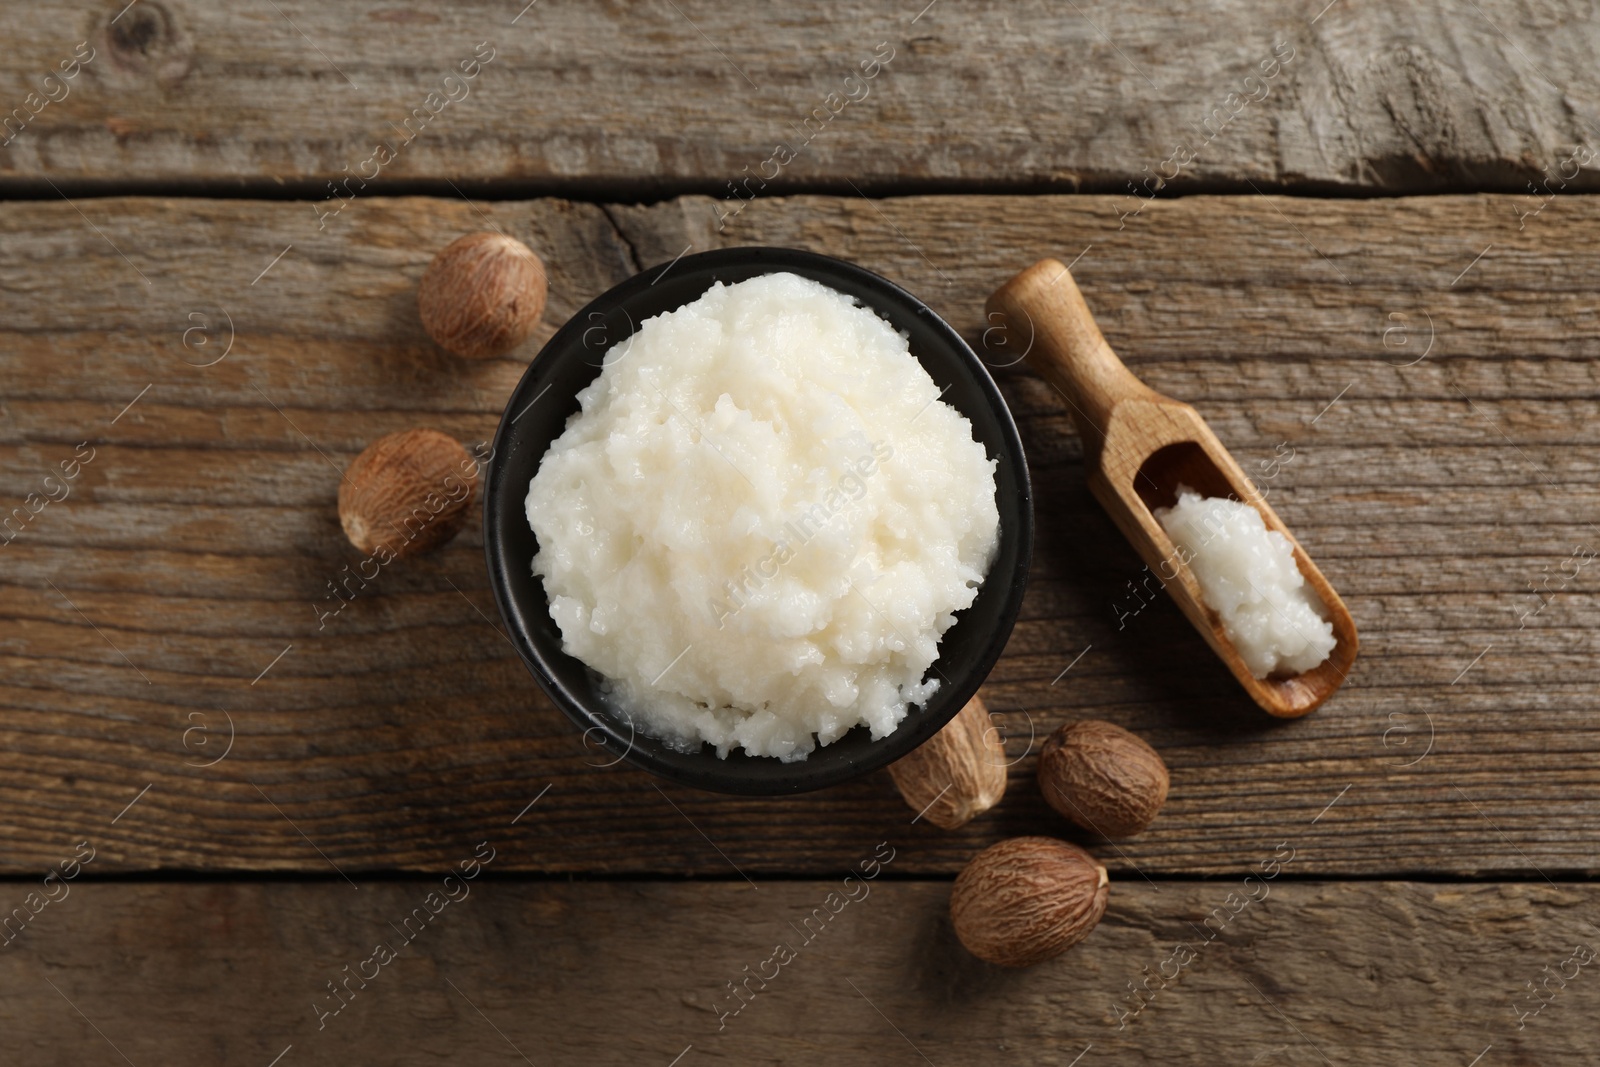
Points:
point(643, 96)
point(1268, 971)
point(194, 550)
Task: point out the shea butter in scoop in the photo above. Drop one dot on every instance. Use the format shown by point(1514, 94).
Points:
point(762, 520)
point(1248, 576)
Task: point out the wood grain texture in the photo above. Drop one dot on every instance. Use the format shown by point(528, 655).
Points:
point(694, 96)
point(180, 582)
point(632, 974)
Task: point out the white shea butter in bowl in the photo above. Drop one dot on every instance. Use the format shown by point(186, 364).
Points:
point(761, 521)
point(1248, 576)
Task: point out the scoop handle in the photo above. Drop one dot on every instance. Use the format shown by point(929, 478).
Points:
point(1043, 310)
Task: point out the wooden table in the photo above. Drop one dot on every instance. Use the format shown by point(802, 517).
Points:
point(205, 338)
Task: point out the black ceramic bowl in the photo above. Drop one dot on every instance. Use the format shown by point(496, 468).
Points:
point(547, 396)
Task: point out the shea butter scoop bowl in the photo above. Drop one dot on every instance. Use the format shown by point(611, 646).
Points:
point(536, 415)
point(1141, 449)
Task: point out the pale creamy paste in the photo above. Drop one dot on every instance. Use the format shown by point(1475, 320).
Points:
point(762, 520)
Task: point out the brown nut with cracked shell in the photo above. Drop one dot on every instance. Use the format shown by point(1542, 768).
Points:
point(1102, 777)
point(1026, 900)
point(407, 493)
point(482, 295)
point(958, 773)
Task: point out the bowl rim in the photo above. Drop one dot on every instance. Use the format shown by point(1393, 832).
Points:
point(801, 775)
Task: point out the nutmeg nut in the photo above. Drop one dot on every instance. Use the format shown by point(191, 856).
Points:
point(958, 773)
point(407, 493)
point(482, 295)
point(1026, 900)
point(1102, 777)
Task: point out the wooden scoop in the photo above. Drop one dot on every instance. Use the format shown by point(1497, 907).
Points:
point(1139, 446)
